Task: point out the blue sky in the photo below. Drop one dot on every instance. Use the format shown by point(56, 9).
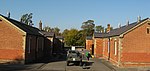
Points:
point(67, 14)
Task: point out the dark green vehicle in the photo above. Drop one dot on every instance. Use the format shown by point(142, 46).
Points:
point(74, 56)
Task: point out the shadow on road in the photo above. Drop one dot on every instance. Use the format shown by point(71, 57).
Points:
point(34, 65)
point(53, 58)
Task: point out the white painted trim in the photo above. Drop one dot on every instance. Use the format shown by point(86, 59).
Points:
point(95, 45)
point(135, 26)
point(108, 46)
point(24, 48)
point(115, 48)
point(119, 51)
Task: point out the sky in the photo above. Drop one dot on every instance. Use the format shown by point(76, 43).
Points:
point(67, 14)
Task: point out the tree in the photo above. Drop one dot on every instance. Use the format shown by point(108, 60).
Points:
point(47, 28)
point(80, 38)
point(88, 27)
point(99, 29)
point(57, 30)
point(64, 33)
point(69, 37)
point(27, 19)
point(74, 37)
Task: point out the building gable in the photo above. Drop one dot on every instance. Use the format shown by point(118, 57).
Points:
point(2, 18)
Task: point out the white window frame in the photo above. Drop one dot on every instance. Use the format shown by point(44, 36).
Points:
point(108, 48)
point(115, 48)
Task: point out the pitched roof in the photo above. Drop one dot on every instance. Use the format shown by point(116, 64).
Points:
point(100, 35)
point(89, 37)
point(119, 31)
point(48, 34)
point(26, 28)
point(60, 37)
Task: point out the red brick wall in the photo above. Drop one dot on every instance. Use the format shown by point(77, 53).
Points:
point(11, 42)
point(89, 44)
point(136, 46)
point(105, 48)
point(98, 47)
point(113, 56)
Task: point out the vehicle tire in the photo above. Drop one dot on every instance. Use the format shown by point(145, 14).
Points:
point(80, 63)
point(67, 63)
point(84, 66)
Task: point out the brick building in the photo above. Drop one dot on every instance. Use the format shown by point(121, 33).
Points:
point(89, 44)
point(126, 46)
point(19, 42)
point(48, 42)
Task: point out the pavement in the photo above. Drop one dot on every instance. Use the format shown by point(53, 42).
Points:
point(58, 63)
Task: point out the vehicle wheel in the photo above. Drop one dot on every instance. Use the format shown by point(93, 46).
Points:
point(67, 63)
point(84, 66)
point(80, 63)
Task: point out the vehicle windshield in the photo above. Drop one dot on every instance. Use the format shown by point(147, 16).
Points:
point(72, 51)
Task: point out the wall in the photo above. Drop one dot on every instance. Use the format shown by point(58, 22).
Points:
point(114, 45)
point(47, 47)
point(11, 42)
point(98, 47)
point(89, 44)
point(30, 54)
point(136, 47)
point(105, 48)
point(34, 48)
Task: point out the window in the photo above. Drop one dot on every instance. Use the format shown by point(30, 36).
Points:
point(37, 44)
point(115, 48)
point(108, 48)
point(148, 30)
point(42, 44)
point(29, 46)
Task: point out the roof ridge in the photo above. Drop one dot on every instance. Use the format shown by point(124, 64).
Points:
point(132, 23)
point(19, 22)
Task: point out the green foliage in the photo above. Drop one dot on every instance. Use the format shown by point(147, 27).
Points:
point(88, 27)
point(73, 37)
point(27, 19)
point(47, 28)
point(56, 30)
point(99, 29)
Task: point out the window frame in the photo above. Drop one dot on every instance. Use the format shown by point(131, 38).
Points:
point(29, 45)
point(148, 30)
point(115, 47)
point(108, 47)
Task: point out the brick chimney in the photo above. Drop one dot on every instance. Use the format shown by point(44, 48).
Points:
point(40, 25)
point(108, 28)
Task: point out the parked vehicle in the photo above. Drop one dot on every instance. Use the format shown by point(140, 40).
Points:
point(74, 56)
